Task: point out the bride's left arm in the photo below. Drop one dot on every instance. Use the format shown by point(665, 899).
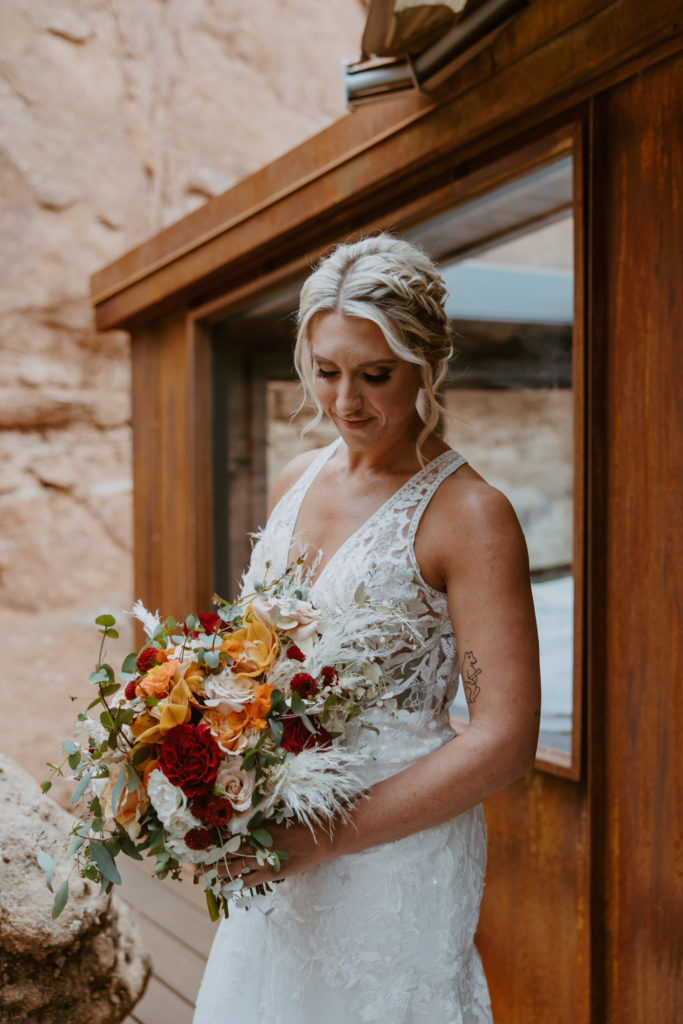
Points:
point(486, 574)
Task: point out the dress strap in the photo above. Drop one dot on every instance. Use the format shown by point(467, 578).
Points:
point(440, 469)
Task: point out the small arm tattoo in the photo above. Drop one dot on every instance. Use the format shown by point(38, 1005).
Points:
point(470, 673)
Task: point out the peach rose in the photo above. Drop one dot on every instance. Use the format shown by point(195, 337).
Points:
point(237, 783)
point(298, 619)
point(131, 806)
point(158, 679)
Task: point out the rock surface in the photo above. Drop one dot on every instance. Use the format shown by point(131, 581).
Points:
point(85, 967)
point(116, 118)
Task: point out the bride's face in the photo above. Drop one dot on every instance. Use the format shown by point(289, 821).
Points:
point(364, 388)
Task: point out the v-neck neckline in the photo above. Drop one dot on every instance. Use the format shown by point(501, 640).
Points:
point(367, 522)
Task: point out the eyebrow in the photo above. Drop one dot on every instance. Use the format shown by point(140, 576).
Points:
point(370, 362)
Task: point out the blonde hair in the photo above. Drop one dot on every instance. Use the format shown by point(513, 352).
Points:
point(395, 285)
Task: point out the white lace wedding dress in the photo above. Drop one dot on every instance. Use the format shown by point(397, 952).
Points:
point(385, 935)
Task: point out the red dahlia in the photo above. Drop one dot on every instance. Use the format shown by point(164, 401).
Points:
point(303, 684)
point(189, 758)
point(295, 653)
point(147, 657)
point(213, 810)
point(330, 675)
point(296, 736)
point(129, 691)
point(199, 838)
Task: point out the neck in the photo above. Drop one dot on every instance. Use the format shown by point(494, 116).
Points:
point(394, 454)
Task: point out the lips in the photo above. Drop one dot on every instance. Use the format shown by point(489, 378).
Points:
point(354, 423)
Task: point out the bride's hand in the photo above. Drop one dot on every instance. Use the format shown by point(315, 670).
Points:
point(304, 851)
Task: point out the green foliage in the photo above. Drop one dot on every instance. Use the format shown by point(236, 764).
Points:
point(105, 620)
point(104, 861)
point(129, 666)
point(60, 899)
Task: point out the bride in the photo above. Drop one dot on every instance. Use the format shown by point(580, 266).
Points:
point(375, 922)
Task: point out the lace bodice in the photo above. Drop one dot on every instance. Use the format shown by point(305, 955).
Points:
point(381, 553)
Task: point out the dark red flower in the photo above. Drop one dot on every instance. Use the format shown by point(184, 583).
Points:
point(199, 838)
point(295, 653)
point(129, 691)
point(147, 657)
point(330, 675)
point(296, 737)
point(189, 758)
point(303, 684)
point(214, 810)
point(209, 622)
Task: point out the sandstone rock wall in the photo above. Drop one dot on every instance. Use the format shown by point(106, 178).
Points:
point(116, 118)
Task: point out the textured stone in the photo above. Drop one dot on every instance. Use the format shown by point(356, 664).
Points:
point(85, 966)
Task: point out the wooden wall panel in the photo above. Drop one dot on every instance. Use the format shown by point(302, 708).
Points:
point(638, 834)
point(534, 929)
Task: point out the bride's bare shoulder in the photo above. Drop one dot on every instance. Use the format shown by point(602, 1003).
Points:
point(288, 476)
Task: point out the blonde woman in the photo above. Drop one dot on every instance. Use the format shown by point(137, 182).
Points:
point(376, 922)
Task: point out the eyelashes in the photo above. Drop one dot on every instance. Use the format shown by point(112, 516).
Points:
point(371, 378)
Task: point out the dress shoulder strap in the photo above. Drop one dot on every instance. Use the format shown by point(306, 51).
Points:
point(435, 474)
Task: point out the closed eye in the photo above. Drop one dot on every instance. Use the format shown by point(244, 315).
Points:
point(371, 378)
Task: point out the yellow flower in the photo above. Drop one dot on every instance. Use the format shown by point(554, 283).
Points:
point(252, 648)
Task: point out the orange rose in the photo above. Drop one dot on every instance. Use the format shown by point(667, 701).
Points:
point(158, 679)
point(252, 648)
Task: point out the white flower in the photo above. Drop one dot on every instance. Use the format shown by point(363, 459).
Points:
point(167, 800)
point(237, 783)
point(229, 691)
point(299, 619)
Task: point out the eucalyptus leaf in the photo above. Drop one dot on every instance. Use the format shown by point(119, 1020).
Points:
point(118, 790)
point(113, 634)
point(99, 676)
point(262, 836)
point(129, 663)
point(105, 862)
point(140, 754)
point(105, 620)
point(48, 865)
point(74, 760)
point(233, 844)
point(60, 899)
point(45, 785)
point(69, 747)
point(81, 788)
point(133, 778)
point(212, 659)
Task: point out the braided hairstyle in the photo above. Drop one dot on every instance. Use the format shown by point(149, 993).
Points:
point(395, 285)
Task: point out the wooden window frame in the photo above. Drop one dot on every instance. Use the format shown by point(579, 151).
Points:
point(521, 156)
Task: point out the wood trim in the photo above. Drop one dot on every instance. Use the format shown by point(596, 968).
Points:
point(320, 205)
point(173, 543)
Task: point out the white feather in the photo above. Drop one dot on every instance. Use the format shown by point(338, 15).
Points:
point(149, 621)
point(318, 785)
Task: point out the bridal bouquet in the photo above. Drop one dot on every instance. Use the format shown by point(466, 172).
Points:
point(219, 725)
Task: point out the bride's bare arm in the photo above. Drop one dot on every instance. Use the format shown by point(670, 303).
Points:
point(483, 560)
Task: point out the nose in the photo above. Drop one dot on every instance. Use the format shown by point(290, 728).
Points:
point(349, 399)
